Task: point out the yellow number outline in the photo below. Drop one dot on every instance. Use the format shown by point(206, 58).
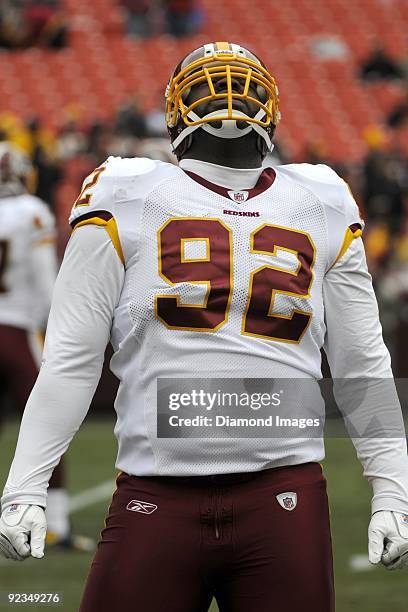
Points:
point(207, 283)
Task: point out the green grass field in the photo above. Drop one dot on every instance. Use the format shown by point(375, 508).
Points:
point(91, 462)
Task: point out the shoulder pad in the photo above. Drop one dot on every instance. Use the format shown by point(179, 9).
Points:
point(109, 191)
point(96, 193)
point(41, 220)
point(344, 223)
point(110, 180)
point(128, 166)
point(322, 180)
point(326, 185)
point(313, 172)
point(34, 203)
point(135, 166)
point(37, 209)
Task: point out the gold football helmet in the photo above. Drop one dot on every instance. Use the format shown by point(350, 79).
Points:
point(244, 78)
point(17, 174)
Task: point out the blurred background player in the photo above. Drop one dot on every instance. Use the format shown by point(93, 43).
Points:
point(28, 268)
point(127, 277)
point(320, 55)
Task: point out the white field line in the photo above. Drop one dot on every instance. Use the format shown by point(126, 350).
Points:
point(360, 563)
point(82, 500)
point(92, 496)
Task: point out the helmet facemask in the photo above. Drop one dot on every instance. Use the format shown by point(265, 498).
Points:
point(245, 78)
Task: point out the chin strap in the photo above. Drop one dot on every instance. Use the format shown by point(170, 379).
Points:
point(228, 129)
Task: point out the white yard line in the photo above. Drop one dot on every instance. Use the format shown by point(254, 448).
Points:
point(82, 500)
point(104, 491)
point(92, 496)
point(360, 563)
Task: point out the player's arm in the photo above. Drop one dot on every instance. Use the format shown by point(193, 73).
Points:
point(86, 293)
point(43, 262)
point(366, 395)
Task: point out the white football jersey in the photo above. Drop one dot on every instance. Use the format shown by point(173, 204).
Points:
point(25, 223)
point(219, 283)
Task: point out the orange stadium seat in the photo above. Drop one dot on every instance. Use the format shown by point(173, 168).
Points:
point(321, 98)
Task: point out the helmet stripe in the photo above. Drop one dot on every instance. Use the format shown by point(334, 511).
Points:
point(223, 46)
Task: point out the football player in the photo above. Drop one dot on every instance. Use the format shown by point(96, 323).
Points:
point(217, 268)
point(28, 269)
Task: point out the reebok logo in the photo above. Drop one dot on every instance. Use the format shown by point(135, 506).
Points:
point(136, 505)
point(241, 213)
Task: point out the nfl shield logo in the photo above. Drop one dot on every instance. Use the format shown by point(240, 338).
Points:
point(288, 500)
point(288, 503)
point(238, 196)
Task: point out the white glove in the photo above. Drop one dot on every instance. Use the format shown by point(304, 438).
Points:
point(22, 531)
point(388, 539)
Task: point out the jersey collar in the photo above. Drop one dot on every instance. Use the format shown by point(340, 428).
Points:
point(265, 180)
point(232, 178)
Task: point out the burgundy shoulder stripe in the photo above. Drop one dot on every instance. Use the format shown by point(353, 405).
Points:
point(355, 226)
point(100, 214)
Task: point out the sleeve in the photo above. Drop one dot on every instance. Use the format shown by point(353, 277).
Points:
point(344, 220)
point(95, 204)
point(86, 293)
point(43, 263)
point(363, 381)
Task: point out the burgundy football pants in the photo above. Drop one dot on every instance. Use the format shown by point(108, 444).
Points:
point(172, 544)
point(18, 370)
point(18, 373)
